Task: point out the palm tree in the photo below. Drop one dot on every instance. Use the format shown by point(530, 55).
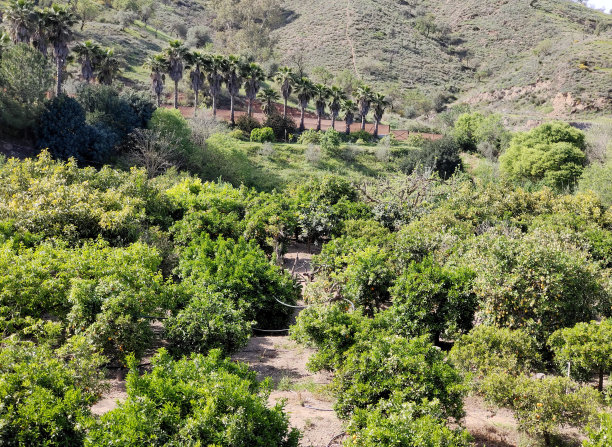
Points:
point(380, 103)
point(233, 80)
point(20, 16)
point(348, 107)
point(215, 68)
point(253, 76)
point(108, 66)
point(40, 28)
point(195, 61)
point(364, 98)
point(175, 54)
point(305, 92)
point(267, 96)
point(59, 32)
point(158, 65)
point(320, 95)
point(285, 77)
point(336, 96)
point(89, 54)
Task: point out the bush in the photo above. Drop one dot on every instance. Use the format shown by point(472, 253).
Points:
point(466, 129)
point(198, 36)
point(263, 135)
point(209, 321)
point(310, 137)
point(442, 156)
point(25, 78)
point(241, 271)
point(361, 137)
point(247, 123)
point(486, 349)
point(46, 395)
point(542, 405)
point(600, 437)
point(552, 154)
point(587, 346)
point(282, 127)
point(388, 367)
point(198, 400)
point(330, 142)
point(433, 299)
point(238, 134)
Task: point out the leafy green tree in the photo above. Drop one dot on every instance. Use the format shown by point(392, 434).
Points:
point(384, 367)
point(286, 78)
point(587, 346)
point(88, 10)
point(253, 76)
point(542, 405)
point(364, 96)
point(233, 79)
point(175, 55)
point(305, 92)
point(60, 34)
point(434, 299)
point(209, 400)
point(466, 129)
point(25, 78)
point(268, 96)
point(158, 64)
point(552, 153)
point(487, 349)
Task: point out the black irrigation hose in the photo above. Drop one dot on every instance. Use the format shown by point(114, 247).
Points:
point(334, 438)
point(315, 408)
point(270, 330)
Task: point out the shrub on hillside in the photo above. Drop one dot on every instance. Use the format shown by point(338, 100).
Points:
point(330, 142)
point(247, 123)
point(198, 400)
point(310, 137)
point(552, 154)
point(600, 437)
point(441, 156)
point(282, 127)
point(263, 135)
point(361, 135)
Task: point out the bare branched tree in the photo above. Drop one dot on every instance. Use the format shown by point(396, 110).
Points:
point(153, 151)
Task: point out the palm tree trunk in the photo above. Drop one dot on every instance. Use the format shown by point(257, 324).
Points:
point(195, 102)
point(363, 122)
point(318, 122)
point(376, 129)
point(302, 120)
point(333, 121)
point(285, 109)
point(347, 129)
point(232, 120)
point(214, 98)
point(58, 73)
point(176, 94)
point(250, 107)
point(158, 99)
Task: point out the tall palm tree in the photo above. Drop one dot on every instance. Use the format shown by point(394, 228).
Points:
point(108, 66)
point(195, 61)
point(88, 55)
point(267, 96)
point(336, 96)
point(253, 76)
point(20, 16)
point(158, 65)
point(320, 96)
point(233, 80)
point(348, 107)
point(59, 32)
point(175, 54)
point(285, 77)
point(215, 68)
point(364, 96)
point(40, 30)
point(380, 103)
point(305, 92)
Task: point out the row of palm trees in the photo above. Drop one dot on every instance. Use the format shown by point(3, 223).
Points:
point(216, 70)
point(52, 27)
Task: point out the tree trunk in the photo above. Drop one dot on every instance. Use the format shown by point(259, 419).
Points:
point(363, 122)
point(333, 121)
point(347, 129)
point(82, 24)
point(176, 94)
point(195, 102)
point(318, 122)
point(250, 107)
point(58, 72)
point(214, 98)
point(285, 109)
point(601, 377)
point(376, 129)
point(302, 128)
point(547, 438)
point(232, 120)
